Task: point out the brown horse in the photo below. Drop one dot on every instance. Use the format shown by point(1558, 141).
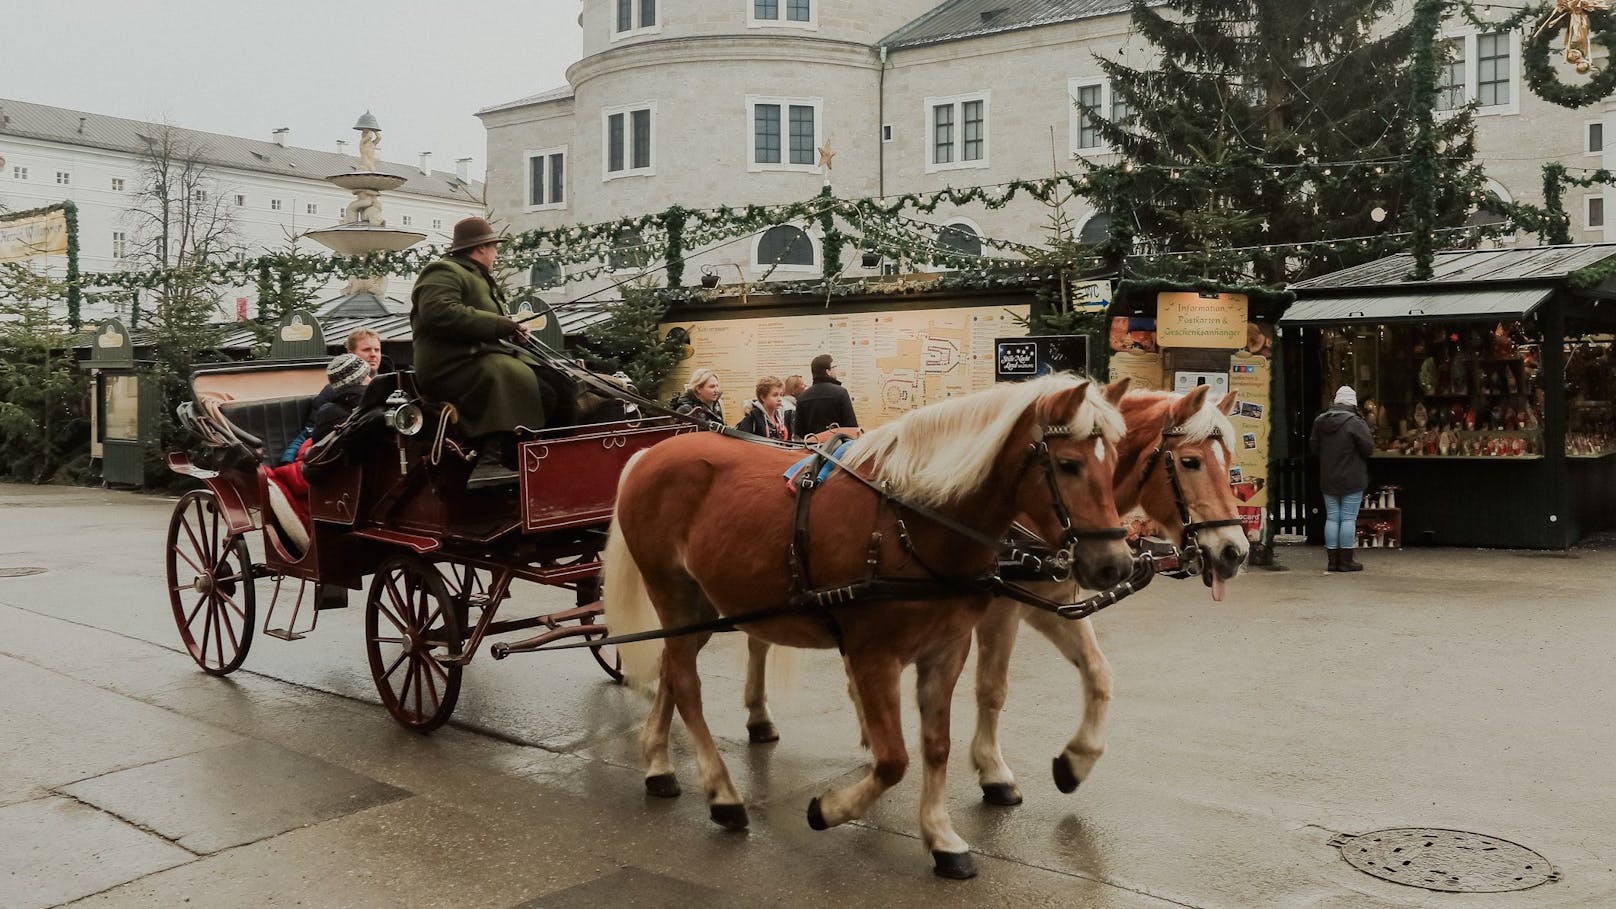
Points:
point(1200, 444)
point(704, 527)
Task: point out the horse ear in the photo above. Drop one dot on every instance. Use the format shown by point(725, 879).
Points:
point(1226, 406)
point(1189, 405)
point(1117, 389)
point(1059, 408)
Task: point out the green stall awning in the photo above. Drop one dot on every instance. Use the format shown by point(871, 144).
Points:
point(1449, 304)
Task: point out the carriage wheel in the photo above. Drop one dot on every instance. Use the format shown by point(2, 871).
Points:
point(210, 584)
point(411, 624)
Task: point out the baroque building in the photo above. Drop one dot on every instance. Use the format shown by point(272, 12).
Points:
point(703, 103)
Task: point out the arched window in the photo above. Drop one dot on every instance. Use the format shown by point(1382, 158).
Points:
point(629, 252)
point(1491, 211)
point(785, 245)
point(545, 275)
point(961, 239)
point(1096, 230)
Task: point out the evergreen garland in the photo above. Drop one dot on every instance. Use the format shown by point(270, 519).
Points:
point(75, 294)
point(1536, 57)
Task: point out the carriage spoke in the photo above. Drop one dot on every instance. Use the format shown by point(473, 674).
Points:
point(230, 628)
point(398, 641)
point(404, 690)
point(398, 623)
point(234, 605)
point(213, 537)
point(207, 629)
point(427, 677)
point(181, 553)
point(191, 619)
point(419, 711)
point(437, 667)
point(218, 634)
point(394, 668)
point(201, 526)
point(196, 546)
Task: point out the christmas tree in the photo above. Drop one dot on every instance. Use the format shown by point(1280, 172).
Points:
point(1279, 124)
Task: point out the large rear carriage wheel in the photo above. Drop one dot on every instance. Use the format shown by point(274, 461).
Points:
point(411, 626)
point(210, 584)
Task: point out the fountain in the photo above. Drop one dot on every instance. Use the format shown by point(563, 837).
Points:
point(365, 228)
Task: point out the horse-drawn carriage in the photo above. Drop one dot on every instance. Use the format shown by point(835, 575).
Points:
point(388, 499)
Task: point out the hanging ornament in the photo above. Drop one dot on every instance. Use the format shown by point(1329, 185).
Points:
point(1377, 214)
point(1575, 14)
point(1540, 74)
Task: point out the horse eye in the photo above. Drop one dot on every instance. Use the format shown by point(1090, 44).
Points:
point(1190, 463)
point(1072, 467)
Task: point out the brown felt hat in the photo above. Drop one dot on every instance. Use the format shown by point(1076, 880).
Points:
point(471, 233)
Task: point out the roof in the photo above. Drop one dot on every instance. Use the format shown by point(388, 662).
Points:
point(59, 124)
point(559, 93)
point(1419, 304)
point(956, 20)
point(1537, 264)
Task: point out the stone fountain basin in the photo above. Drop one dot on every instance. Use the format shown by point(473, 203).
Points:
point(359, 238)
point(375, 181)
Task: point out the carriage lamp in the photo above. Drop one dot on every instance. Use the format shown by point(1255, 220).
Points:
point(405, 418)
point(870, 259)
point(709, 278)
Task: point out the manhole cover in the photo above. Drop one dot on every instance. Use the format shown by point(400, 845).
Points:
point(19, 572)
point(1452, 861)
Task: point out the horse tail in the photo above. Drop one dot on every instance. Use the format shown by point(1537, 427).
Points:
point(628, 603)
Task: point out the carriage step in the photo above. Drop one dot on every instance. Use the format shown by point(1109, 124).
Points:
point(285, 634)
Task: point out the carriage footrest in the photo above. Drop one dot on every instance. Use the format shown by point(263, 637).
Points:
point(285, 634)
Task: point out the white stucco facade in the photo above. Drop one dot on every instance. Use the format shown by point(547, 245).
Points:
point(698, 68)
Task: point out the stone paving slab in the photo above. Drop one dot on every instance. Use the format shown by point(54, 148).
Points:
point(53, 850)
point(636, 888)
point(232, 795)
point(60, 730)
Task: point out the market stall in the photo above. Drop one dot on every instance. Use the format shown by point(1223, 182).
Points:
point(1489, 390)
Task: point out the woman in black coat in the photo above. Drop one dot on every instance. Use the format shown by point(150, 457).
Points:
point(1343, 443)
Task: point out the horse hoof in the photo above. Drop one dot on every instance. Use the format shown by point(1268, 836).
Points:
point(816, 818)
point(1065, 780)
point(762, 733)
point(730, 817)
point(663, 786)
point(956, 866)
point(1004, 795)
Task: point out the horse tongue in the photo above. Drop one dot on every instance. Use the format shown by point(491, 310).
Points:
point(1218, 588)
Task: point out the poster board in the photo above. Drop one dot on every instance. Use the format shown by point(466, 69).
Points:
point(1021, 358)
point(28, 237)
point(890, 362)
point(1249, 379)
point(1205, 320)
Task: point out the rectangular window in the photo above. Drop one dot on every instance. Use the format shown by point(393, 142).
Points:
point(241, 201)
point(437, 224)
point(628, 137)
point(802, 135)
point(120, 245)
point(1088, 104)
point(546, 178)
point(942, 135)
point(408, 220)
point(886, 132)
point(633, 16)
point(1121, 113)
point(766, 9)
point(63, 178)
point(766, 134)
point(311, 208)
point(117, 184)
point(642, 139)
point(1450, 91)
point(957, 131)
point(1493, 69)
point(798, 11)
point(19, 173)
point(274, 205)
point(199, 195)
point(1596, 139)
point(975, 130)
point(1596, 212)
point(615, 127)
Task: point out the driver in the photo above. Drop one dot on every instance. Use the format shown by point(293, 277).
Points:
point(459, 319)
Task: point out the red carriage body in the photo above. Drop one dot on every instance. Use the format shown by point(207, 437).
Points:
point(389, 501)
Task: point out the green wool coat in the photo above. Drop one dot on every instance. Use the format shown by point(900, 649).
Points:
point(458, 357)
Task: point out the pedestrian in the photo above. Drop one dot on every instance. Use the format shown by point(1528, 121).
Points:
point(795, 386)
point(700, 397)
point(1343, 444)
point(766, 415)
point(826, 404)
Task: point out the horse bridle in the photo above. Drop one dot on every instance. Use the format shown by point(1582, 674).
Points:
point(1189, 548)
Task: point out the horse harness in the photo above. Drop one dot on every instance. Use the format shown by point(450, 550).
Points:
point(1189, 548)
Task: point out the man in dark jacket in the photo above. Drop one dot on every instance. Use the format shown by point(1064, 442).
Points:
point(1343, 443)
point(826, 403)
point(459, 319)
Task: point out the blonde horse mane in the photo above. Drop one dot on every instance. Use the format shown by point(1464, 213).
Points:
point(1207, 422)
point(943, 452)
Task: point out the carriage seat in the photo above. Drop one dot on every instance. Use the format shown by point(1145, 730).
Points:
point(274, 421)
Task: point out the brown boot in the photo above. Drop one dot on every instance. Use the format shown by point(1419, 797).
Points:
point(1335, 559)
point(1347, 562)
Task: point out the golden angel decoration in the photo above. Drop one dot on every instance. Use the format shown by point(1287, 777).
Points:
point(1575, 14)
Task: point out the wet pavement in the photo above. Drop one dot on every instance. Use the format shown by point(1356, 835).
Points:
point(1442, 689)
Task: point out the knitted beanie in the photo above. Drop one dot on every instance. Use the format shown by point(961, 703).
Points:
point(347, 371)
point(1346, 395)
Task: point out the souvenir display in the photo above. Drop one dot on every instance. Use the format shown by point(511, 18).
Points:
point(1459, 391)
point(1591, 396)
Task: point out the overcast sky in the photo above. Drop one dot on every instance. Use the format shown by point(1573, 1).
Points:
point(245, 67)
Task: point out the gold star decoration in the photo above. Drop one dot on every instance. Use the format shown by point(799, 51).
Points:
point(826, 153)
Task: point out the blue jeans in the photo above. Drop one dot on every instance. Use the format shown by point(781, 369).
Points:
point(1341, 520)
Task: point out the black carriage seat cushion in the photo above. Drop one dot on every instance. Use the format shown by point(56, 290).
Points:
point(275, 420)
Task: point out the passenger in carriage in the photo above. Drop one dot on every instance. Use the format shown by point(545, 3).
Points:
point(348, 374)
point(459, 319)
point(367, 345)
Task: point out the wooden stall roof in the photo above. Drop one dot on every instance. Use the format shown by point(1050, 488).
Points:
point(1536, 264)
point(1419, 304)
